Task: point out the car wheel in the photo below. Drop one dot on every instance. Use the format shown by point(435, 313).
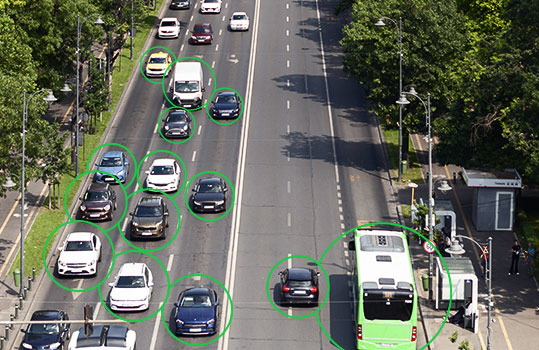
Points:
point(111, 215)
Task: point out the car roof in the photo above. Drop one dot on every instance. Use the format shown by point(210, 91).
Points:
point(159, 54)
point(299, 274)
point(79, 236)
point(171, 19)
point(163, 161)
point(111, 154)
point(97, 187)
point(103, 335)
point(239, 13)
point(177, 111)
point(150, 201)
point(204, 25)
point(210, 180)
point(132, 269)
point(197, 291)
point(226, 93)
point(45, 315)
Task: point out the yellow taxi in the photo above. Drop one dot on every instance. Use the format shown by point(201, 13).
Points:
point(157, 64)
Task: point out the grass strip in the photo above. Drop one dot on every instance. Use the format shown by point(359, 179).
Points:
point(413, 172)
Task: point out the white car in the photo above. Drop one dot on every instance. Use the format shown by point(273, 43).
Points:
point(239, 21)
point(103, 337)
point(80, 254)
point(168, 28)
point(164, 175)
point(132, 289)
point(210, 6)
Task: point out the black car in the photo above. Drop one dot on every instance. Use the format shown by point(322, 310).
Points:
point(48, 335)
point(150, 218)
point(210, 195)
point(299, 285)
point(98, 203)
point(180, 4)
point(177, 124)
point(226, 105)
point(196, 312)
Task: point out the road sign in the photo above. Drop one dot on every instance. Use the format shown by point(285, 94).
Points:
point(429, 248)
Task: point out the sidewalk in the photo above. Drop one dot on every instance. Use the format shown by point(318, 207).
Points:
point(515, 321)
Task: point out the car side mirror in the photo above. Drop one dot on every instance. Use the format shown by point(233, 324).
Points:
point(352, 245)
point(216, 303)
point(96, 164)
point(225, 189)
point(280, 273)
point(150, 284)
point(111, 284)
point(166, 213)
point(23, 330)
point(177, 304)
point(171, 89)
point(80, 198)
point(203, 89)
point(126, 162)
point(131, 213)
point(318, 273)
point(147, 172)
point(194, 190)
point(60, 248)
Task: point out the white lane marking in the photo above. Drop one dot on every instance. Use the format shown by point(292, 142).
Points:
point(220, 31)
point(344, 244)
point(287, 19)
point(199, 129)
point(289, 261)
point(288, 156)
point(226, 5)
point(339, 201)
point(124, 226)
point(217, 47)
point(191, 20)
point(155, 329)
point(330, 115)
point(223, 18)
point(209, 82)
point(287, 128)
point(289, 220)
point(170, 259)
point(194, 156)
point(339, 194)
point(340, 209)
point(96, 311)
point(287, 6)
point(136, 187)
point(289, 311)
point(146, 159)
point(287, 47)
point(347, 262)
point(196, 5)
point(287, 32)
point(186, 32)
point(181, 47)
point(196, 278)
point(288, 186)
point(342, 226)
point(338, 187)
point(341, 217)
point(288, 104)
point(346, 253)
point(287, 82)
point(287, 63)
point(79, 286)
point(155, 129)
point(213, 64)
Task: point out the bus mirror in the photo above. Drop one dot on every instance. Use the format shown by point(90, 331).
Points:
point(352, 245)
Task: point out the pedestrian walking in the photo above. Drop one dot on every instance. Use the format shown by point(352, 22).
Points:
point(514, 258)
point(484, 258)
point(530, 254)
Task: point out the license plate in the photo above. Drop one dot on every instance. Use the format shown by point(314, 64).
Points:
point(208, 207)
point(201, 39)
point(108, 178)
point(146, 233)
point(187, 106)
point(225, 114)
point(76, 270)
point(386, 345)
point(94, 215)
point(195, 330)
point(300, 292)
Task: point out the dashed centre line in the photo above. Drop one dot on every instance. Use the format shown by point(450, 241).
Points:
point(287, 32)
point(289, 219)
point(287, 63)
point(220, 31)
point(213, 64)
point(181, 47)
point(287, 19)
point(199, 129)
point(170, 259)
point(288, 187)
point(217, 47)
point(288, 104)
point(287, 47)
point(194, 156)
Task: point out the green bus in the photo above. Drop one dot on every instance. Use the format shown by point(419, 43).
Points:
point(384, 292)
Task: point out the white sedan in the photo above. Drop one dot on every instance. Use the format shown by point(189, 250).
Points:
point(169, 28)
point(164, 175)
point(79, 254)
point(132, 289)
point(210, 6)
point(239, 21)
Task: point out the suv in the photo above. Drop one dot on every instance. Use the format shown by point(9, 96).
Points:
point(104, 337)
point(98, 203)
point(132, 289)
point(80, 254)
point(47, 335)
point(150, 218)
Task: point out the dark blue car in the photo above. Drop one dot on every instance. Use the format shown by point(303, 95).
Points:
point(196, 312)
point(49, 335)
point(115, 163)
point(226, 105)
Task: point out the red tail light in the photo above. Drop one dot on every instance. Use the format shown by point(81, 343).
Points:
point(286, 289)
point(314, 289)
point(414, 333)
point(359, 332)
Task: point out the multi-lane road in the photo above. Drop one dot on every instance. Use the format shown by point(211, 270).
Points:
point(306, 163)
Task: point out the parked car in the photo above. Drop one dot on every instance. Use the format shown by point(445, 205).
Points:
point(210, 195)
point(47, 335)
point(196, 312)
point(157, 64)
point(115, 163)
point(132, 288)
point(168, 28)
point(210, 6)
point(227, 104)
point(164, 175)
point(180, 4)
point(299, 285)
point(79, 254)
point(104, 337)
point(202, 34)
point(239, 21)
point(177, 123)
point(150, 218)
point(98, 203)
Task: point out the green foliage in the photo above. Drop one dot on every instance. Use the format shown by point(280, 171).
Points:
point(453, 338)
point(464, 345)
point(97, 93)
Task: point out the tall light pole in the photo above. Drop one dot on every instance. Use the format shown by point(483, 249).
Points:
point(380, 23)
point(132, 30)
point(403, 101)
point(488, 273)
point(98, 21)
point(49, 98)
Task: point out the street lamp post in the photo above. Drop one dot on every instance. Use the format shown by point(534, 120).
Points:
point(380, 23)
point(132, 30)
point(98, 21)
point(49, 98)
point(488, 274)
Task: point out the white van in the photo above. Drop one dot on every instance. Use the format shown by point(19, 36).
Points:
point(188, 88)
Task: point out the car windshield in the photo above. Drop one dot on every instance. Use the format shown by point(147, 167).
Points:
point(186, 86)
point(209, 188)
point(96, 196)
point(162, 170)
point(176, 118)
point(148, 211)
point(210, 1)
point(196, 301)
point(111, 161)
point(168, 24)
point(202, 30)
point(48, 328)
point(158, 60)
point(299, 283)
point(130, 282)
point(78, 246)
point(238, 17)
point(225, 99)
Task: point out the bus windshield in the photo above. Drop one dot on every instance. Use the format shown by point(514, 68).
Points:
point(398, 307)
